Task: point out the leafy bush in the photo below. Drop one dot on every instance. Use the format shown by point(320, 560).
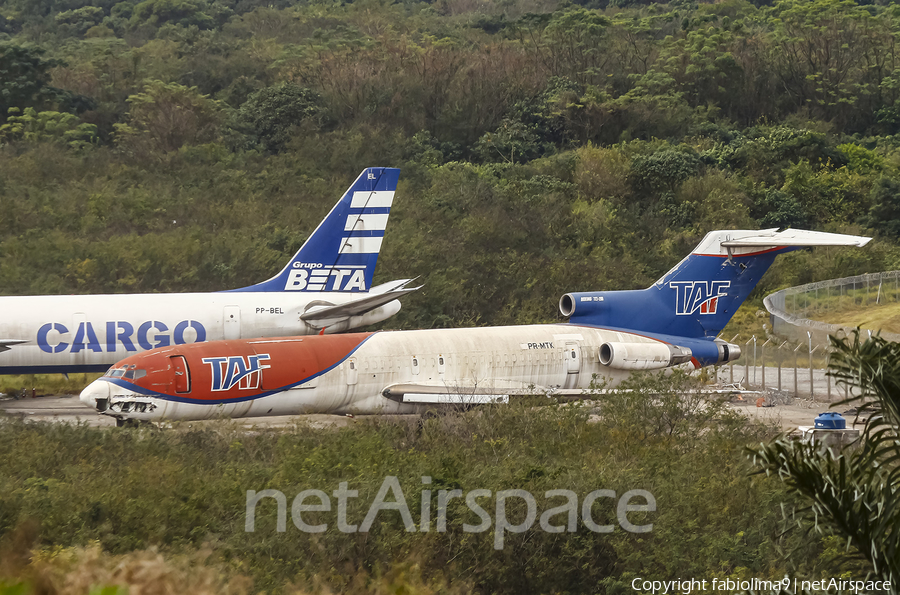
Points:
point(185, 489)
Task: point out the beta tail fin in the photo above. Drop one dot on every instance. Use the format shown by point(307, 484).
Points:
point(342, 252)
point(698, 297)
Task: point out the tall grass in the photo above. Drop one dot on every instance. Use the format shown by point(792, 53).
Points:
point(81, 500)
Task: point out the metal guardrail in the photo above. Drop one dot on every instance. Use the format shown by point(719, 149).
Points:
point(790, 309)
point(795, 364)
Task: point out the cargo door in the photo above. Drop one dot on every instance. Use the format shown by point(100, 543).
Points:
point(181, 380)
point(352, 371)
point(573, 364)
point(232, 323)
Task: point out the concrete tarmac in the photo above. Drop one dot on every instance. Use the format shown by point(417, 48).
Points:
point(68, 409)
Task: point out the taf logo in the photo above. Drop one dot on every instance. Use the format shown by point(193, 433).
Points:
point(236, 370)
point(702, 296)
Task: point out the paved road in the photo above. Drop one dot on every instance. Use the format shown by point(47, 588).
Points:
point(65, 408)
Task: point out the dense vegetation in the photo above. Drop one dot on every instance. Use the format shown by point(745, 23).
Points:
point(65, 490)
point(546, 146)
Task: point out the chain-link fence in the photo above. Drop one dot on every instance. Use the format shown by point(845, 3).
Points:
point(794, 362)
point(778, 368)
point(792, 310)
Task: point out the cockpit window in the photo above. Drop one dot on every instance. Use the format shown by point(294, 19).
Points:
point(129, 373)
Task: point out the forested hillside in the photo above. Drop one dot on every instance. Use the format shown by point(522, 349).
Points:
point(177, 145)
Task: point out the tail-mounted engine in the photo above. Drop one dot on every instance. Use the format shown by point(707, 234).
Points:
point(728, 352)
point(642, 356)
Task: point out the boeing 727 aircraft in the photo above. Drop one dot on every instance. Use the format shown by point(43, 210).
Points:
point(609, 333)
point(326, 285)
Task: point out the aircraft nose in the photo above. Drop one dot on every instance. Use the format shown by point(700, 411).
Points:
point(96, 395)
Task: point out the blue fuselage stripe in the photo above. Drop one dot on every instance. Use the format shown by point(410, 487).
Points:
point(54, 369)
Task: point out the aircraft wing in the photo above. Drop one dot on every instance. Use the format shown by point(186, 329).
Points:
point(5, 344)
point(378, 296)
point(469, 393)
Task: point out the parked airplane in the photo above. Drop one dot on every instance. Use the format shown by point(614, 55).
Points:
point(326, 285)
point(609, 333)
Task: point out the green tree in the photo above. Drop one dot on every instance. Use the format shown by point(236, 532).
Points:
point(567, 43)
point(166, 117)
point(77, 22)
point(884, 214)
point(271, 116)
point(36, 126)
point(176, 12)
point(775, 208)
point(853, 494)
point(823, 53)
point(511, 142)
point(25, 78)
point(664, 170)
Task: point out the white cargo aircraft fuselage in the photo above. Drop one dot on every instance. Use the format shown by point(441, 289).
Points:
point(325, 287)
point(85, 333)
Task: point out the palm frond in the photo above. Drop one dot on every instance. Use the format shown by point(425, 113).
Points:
point(854, 493)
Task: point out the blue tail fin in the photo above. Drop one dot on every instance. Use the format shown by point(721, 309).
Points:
point(700, 294)
point(342, 252)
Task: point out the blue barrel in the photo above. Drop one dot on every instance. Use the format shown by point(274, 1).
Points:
point(831, 421)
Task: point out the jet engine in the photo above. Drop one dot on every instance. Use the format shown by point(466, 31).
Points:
point(642, 356)
point(728, 352)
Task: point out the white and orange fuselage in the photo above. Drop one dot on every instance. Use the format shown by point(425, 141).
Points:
point(360, 373)
point(610, 334)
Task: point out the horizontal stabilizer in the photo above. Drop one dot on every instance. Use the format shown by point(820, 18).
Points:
point(5, 344)
point(772, 238)
point(378, 296)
